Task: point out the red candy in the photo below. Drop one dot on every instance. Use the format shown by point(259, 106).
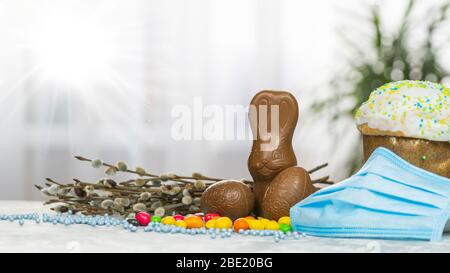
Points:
point(209, 216)
point(178, 217)
point(143, 218)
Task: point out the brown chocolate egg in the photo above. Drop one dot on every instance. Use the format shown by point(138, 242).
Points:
point(287, 189)
point(228, 198)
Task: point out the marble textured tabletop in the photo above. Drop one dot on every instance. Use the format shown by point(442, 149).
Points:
point(46, 237)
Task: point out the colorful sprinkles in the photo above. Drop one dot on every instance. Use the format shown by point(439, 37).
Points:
point(418, 109)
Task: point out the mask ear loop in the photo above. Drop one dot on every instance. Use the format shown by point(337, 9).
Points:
point(380, 151)
point(438, 230)
point(447, 227)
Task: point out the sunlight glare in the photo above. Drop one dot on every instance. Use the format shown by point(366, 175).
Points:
point(72, 49)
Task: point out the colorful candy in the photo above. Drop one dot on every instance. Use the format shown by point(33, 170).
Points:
point(143, 218)
point(211, 223)
point(285, 220)
point(256, 224)
point(178, 217)
point(210, 216)
point(264, 221)
point(259, 224)
point(272, 225)
point(214, 221)
point(194, 221)
point(156, 219)
point(285, 228)
point(133, 222)
point(223, 222)
point(168, 220)
point(240, 224)
point(181, 223)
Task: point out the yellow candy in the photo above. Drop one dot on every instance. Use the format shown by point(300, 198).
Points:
point(250, 221)
point(284, 220)
point(256, 224)
point(168, 220)
point(211, 223)
point(265, 222)
point(223, 222)
point(181, 223)
point(273, 225)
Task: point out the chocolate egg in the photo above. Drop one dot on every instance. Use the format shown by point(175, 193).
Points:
point(287, 189)
point(228, 198)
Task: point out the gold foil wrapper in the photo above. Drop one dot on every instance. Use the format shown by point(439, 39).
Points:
point(433, 156)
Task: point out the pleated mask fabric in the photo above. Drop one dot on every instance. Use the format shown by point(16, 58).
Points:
point(387, 199)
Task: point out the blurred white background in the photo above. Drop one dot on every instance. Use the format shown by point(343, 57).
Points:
point(99, 78)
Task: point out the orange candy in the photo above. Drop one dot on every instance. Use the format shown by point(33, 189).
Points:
point(240, 223)
point(193, 221)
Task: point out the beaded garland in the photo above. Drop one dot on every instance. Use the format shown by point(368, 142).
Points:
point(108, 221)
point(418, 109)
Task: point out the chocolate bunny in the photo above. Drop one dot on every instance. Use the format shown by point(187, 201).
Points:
point(278, 184)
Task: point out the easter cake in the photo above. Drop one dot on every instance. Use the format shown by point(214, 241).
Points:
point(411, 118)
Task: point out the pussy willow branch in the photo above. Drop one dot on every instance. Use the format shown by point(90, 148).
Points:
point(81, 158)
point(120, 189)
point(178, 178)
point(322, 180)
point(81, 184)
point(88, 197)
point(315, 169)
point(185, 179)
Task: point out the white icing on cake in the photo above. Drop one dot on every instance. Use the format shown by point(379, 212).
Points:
point(417, 109)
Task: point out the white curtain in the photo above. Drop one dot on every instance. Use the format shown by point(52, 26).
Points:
point(160, 54)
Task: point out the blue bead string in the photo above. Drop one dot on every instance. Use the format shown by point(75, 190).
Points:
point(108, 221)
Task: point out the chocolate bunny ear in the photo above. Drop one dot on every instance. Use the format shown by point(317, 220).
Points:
point(259, 106)
point(264, 103)
point(288, 110)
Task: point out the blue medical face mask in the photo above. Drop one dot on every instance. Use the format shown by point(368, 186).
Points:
point(387, 199)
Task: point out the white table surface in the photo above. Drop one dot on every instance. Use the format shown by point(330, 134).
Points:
point(46, 237)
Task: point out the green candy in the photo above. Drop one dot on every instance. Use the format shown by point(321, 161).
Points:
point(285, 228)
point(156, 219)
point(134, 222)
